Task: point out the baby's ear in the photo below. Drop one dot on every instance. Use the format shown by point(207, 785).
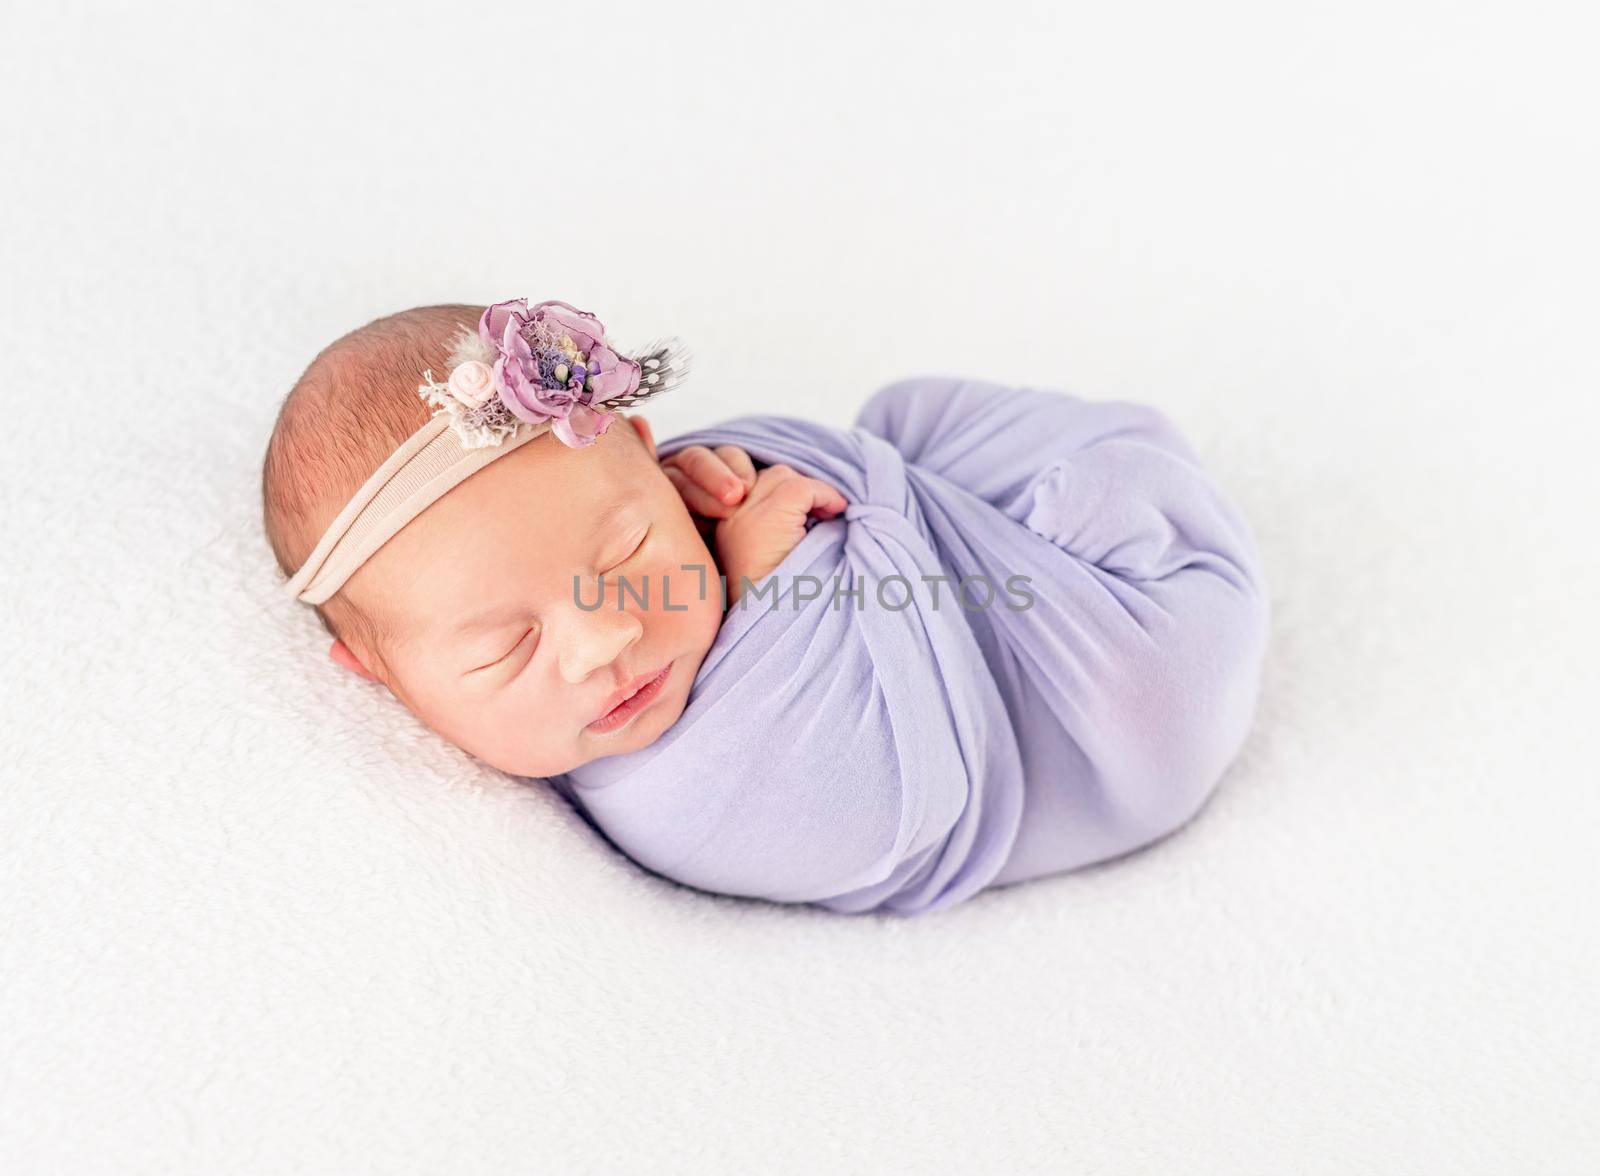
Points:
point(340, 652)
point(642, 427)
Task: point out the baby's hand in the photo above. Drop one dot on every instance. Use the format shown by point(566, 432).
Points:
point(756, 537)
point(711, 482)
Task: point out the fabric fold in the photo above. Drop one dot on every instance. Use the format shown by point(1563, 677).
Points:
point(906, 736)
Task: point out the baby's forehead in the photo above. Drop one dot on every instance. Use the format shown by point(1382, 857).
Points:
point(552, 517)
point(587, 491)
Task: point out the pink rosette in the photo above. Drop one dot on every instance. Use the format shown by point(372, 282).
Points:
point(472, 383)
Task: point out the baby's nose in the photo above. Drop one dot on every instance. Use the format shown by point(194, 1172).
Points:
point(590, 640)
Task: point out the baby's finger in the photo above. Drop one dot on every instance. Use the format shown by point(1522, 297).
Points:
point(694, 496)
point(739, 462)
point(826, 502)
point(710, 472)
point(808, 496)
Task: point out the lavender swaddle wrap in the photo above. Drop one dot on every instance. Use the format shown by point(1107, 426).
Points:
point(853, 753)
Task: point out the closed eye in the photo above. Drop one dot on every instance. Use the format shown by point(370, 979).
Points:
point(497, 661)
point(636, 549)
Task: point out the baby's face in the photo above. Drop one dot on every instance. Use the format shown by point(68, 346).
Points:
point(496, 647)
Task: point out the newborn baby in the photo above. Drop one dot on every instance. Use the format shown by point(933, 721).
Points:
point(544, 588)
point(468, 615)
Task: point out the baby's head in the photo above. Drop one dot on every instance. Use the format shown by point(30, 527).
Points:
point(480, 614)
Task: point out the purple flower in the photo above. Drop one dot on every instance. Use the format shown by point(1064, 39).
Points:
point(581, 426)
point(535, 346)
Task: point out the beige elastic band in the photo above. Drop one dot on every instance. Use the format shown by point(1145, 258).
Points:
point(431, 462)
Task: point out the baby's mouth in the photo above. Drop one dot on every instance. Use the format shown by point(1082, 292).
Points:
point(634, 697)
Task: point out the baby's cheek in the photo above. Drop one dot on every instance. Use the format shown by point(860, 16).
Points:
point(492, 723)
point(695, 629)
point(688, 586)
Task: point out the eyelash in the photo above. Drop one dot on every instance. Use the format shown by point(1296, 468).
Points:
point(637, 547)
point(497, 661)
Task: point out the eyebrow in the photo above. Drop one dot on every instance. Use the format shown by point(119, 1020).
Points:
point(605, 518)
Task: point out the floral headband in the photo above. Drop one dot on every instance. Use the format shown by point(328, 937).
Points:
point(524, 372)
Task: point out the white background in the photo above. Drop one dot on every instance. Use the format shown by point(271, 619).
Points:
point(253, 918)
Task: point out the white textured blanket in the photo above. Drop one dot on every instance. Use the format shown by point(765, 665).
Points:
point(254, 918)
